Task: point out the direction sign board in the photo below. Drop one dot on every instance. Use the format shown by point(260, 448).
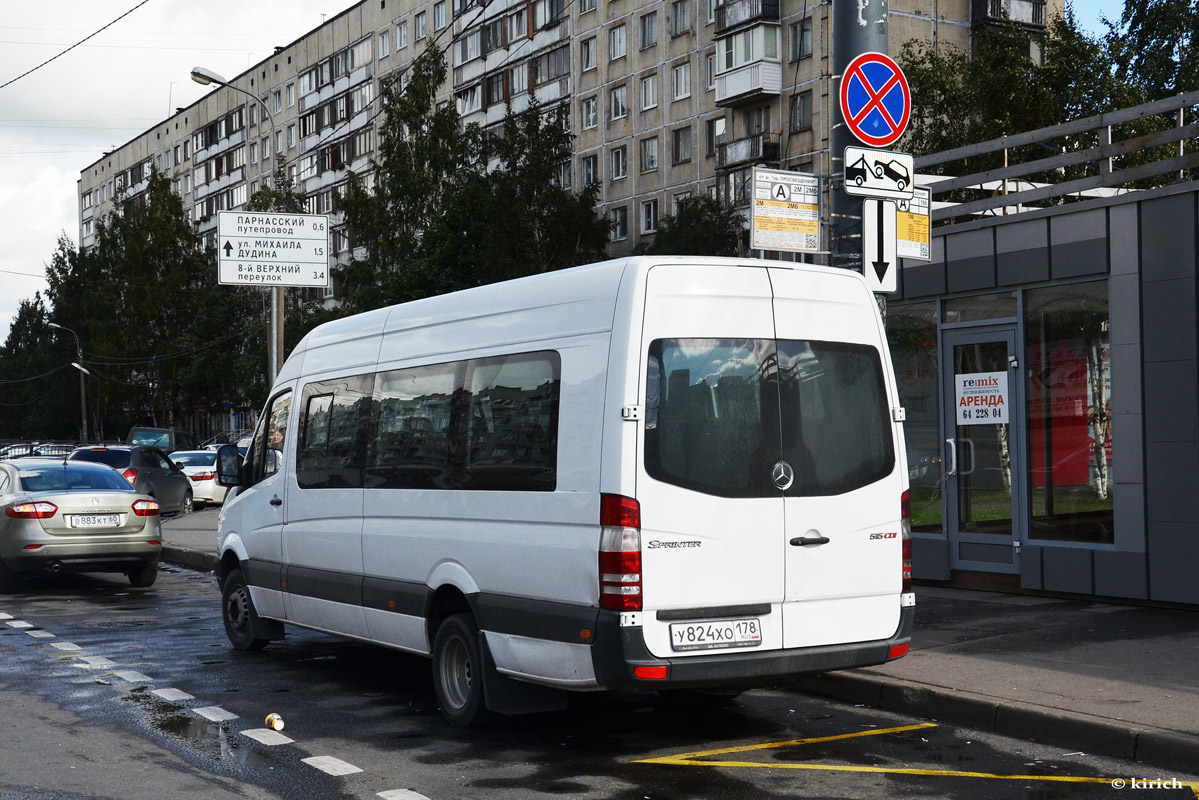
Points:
point(786, 211)
point(273, 249)
point(879, 263)
point(912, 229)
point(878, 173)
point(875, 99)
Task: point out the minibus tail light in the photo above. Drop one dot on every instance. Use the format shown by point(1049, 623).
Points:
point(620, 553)
point(905, 514)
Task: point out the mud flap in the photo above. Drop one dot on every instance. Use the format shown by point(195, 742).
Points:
point(505, 695)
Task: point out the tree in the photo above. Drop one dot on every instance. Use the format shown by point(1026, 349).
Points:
point(701, 226)
point(36, 397)
point(1157, 46)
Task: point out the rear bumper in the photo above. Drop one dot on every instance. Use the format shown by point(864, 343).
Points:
point(84, 558)
point(619, 651)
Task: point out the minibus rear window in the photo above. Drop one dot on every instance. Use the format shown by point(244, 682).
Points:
point(720, 413)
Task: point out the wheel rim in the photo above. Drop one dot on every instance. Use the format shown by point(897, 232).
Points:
point(455, 673)
point(187, 504)
point(237, 611)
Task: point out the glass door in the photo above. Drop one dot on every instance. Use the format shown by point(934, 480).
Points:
point(981, 463)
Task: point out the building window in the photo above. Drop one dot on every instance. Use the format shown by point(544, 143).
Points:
point(278, 141)
point(680, 149)
point(618, 219)
point(616, 43)
point(563, 177)
point(710, 10)
point(384, 44)
point(586, 5)
point(801, 111)
point(677, 200)
point(801, 39)
point(649, 216)
point(649, 154)
point(518, 26)
point(680, 81)
point(519, 79)
point(649, 92)
point(291, 95)
point(253, 152)
point(402, 35)
point(277, 97)
point(291, 136)
point(439, 15)
point(421, 24)
point(649, 29)
point(590, 111)
point(620, 163)
point(710, 71)
point(588, 168)
point(757, 120)
point(620, 102)
point(587, 54)
point(716, 134)
point(680, 17)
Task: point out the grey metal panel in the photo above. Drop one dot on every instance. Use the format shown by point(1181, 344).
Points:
point(1168, 237)
point(1171, 414)
point(1013, 237)
point(1022, 266)
point(923, 280)
point(1126, 379)
point(1169, 319)
point(1075, 259)
point(1068, 569)
point(1081, 226)
point(1173, 554)
point(1171, 482)
point(987, 553)
point(930, 559)
point(1130, 516)
point(1124, 309)
point(1124, 240)
point(1128, 449)
point(1121, 574)
point(970, 273)
point(1031, 568)
point(970, 244)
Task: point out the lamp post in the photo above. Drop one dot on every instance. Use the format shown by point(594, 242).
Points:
point(204, 77)
point(82, 391)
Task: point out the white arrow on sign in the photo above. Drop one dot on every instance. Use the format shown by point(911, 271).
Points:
point(879, 262)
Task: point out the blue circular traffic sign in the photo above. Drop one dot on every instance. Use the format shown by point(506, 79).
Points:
point(875, 99)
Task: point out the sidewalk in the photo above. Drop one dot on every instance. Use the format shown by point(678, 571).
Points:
point(1107, 679)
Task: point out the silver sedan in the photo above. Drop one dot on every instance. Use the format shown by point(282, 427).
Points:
point(74, 516)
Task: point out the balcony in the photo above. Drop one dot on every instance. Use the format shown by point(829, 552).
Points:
point(1028, 13)
point(761, 148)
point(741, 12)
point(749, 84)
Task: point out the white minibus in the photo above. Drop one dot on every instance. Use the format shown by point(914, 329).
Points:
point(683, 474)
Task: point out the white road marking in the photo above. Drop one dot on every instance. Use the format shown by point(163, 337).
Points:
point(40, 634)
point(215, 713)
point(331, 765)
point(401, 794)
point(130, 676)
point(267, 736)
point(172, 695)
point(94, 661)
point(19, 623)
point(71, 646)
point(5, 616)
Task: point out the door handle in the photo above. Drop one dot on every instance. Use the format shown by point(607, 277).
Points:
point(971, 443)
point(953, 457)
point(803, 541)
point(275, 501)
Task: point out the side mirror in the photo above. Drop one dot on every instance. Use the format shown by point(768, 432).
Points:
point(228, 466)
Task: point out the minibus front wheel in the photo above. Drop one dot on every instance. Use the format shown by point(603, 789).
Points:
point(458, 672)
point(237, 609)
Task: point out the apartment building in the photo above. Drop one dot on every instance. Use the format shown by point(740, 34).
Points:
point(667, 98)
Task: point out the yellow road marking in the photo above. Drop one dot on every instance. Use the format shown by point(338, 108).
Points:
point(697, 759)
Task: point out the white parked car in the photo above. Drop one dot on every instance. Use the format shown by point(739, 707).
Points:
point(200, 468)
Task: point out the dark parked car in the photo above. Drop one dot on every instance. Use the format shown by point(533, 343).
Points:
point(148, 470)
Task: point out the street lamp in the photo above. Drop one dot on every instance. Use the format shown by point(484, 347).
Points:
point(82, 392)
point(204, 77)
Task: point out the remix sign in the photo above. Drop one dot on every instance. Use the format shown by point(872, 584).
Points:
point(786, 211)
point(273, 249)
point(982, 398)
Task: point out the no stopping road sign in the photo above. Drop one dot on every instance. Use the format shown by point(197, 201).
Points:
point(875, 99)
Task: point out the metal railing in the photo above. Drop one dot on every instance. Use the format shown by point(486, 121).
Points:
point(740, 12)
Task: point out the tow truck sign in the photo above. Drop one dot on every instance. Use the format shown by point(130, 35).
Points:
point(878, 173)
point(273, 249)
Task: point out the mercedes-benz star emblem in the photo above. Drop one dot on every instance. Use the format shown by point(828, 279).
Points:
point(782, 475)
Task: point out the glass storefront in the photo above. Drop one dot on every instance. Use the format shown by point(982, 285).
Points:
point(912, 331)
point(1069, 413)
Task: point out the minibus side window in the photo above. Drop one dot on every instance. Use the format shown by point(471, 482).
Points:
point(410, 436)
point(266, 450)
point(332, 446)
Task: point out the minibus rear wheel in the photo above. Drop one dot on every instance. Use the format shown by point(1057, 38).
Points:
point(237, 609)
point(458, 672)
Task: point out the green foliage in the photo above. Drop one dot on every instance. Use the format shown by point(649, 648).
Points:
point(702, 226)
point(1157, 42)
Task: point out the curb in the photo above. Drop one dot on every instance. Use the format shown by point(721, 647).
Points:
point(190, 559)
point(1098, 736)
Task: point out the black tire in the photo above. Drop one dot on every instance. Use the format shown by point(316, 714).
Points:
point(8, 579)
point(458, 672)
point(143, 577)
point(237, 610)
point(189, 504)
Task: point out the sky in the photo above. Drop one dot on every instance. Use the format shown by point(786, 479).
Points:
point(64, 116)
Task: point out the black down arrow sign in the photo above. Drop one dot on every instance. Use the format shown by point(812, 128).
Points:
point(880, 265)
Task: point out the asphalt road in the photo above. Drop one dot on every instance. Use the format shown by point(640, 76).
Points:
point(88, 709)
